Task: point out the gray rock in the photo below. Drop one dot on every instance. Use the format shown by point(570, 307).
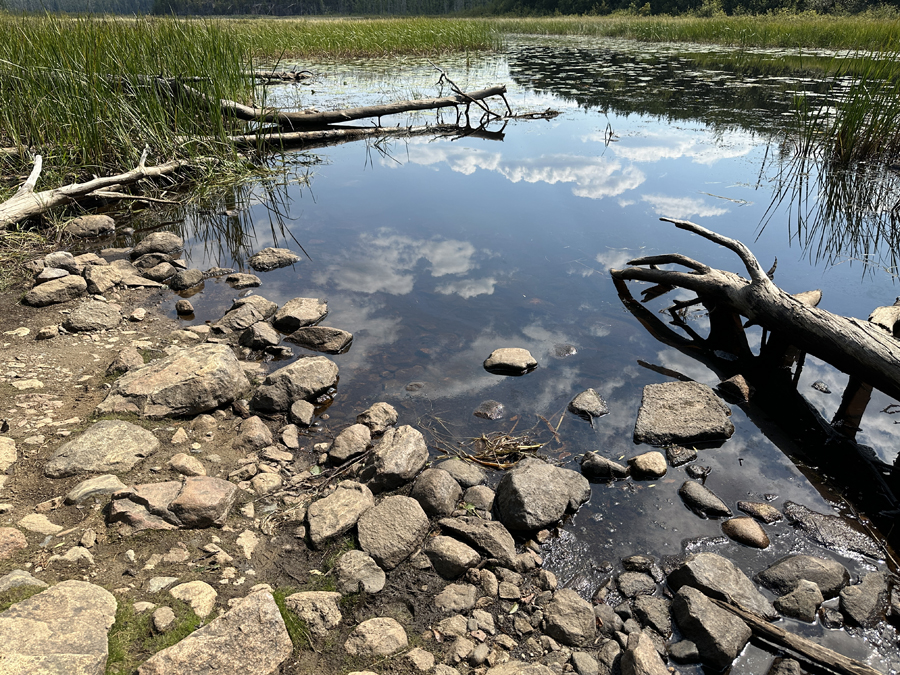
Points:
point(85, 227)
point(163, 619)
point(249, 639)
point(351, 442)
point(392, 530)
point(259, 336)
point(150, 261)
point(94, 487)
point(381, 636)
point(60, 630)
point(736, 388)
point(489, 410)
point(645, 564)
point(678, 455)
point(318, 609)
point(864, 604)
point(684, 651)
point(569, 619)
point(254, 435)
point(681, 412)
point(186, 279)
point(534, 494)
point(184, 307)
point(761, 511)
point(204, 501)
point(801, 603)
point(597, 467)
point(785, 666)
point(832, 532)
point(18, 578)
point(8, 453)
point(648, 466)
point(378, 417)
point(338, 512)
point(719, 578)
point(456, 598)
point(747, 531)
point(302, 413)
point(396, 459)
point(167, 243)
point(585, 664)
point(105, 447)
point(303, 379)
point(357, 571)
point(702, 501)
point(436, 492)
point(466, 474)
point(479, 496)
point(189, 382)
point(610, 622)
point(782, 577)
point(719, 635)
point(588, 405)
point(63, 260)
point(450, 557)
point(186, 465)
point(239, 281)
point(654, 613)
point(265, 307)
point(641, 658)
point(299, 312)
point(126, 360)
point(609, 656)
point(93, 316)
point(518, 668)
point(322, 339)
point(161, 272)
point(633, 584)
point(488, 536)
point(510, 361)
point(55, 292)
point(49, 274)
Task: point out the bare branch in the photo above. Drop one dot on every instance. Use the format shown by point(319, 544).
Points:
point(754, 269)
point(671, 259)
point(28, 186)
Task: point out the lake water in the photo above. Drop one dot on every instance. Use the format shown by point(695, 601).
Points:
point(434, 252)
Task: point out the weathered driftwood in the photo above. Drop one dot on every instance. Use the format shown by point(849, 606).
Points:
point(807, 650)
point(852, 345)
point(26, 203)
point(280, 75)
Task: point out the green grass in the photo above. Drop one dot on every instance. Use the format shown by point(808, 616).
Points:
point(296, 627)
point(17, 594)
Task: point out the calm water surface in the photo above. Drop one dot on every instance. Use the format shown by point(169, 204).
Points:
point(434, 252)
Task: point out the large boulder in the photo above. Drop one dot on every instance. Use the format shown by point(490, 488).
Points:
point(681, 412)
point(396, 459)
point(56, 291)
point(719, 578)
point(534, 495)
point(392, 530)
point(570, 619)
point(109, 446)
point(338, 512)
point(303, 379)
point(189, 382)
point(719, 635)
point(299, 312)
point(782, 577)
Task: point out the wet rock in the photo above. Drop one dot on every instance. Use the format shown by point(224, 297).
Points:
point(56, 291)
point(85, 227)
point(18, 579)
point(378, 417)
point(510, 361)
point(376, 637)
point(641, 658)
point(302, 413)
point(105, 447)
point(50, 274)
point(338, 512)
point(654, 613)
point(818, 385)
point(266, 308)
point(184, 307)
point(801, 603)
point(249, 639)
point(239, 281)
point(702, 501)
point(126, 360)
point(189, 382)
point(682, 413)
point(299, 312)
point(259, 336)
point(761, 511)
point(186, 279)
point(322, 339)
point(254, 435)
point(832, 532)
point(436, 492)
point(678, 455)
point(396, 459)
point(351, 442)
point(489, 410)
point(356, 571)
point(166, 243)
point(783, 666)
point(204, 502)
point(94, 487)
point(632, 584)
point(466, 474)
point(488, 536)
point(449, 557)
point(318, 609)
point(569, 619)
point(684, 651)
point(534, 494)
point(303, 379)
point(719, 578)
point(597, 467)
point(60, 630)
point(93, 316)
point(648, 466)
point(392, 530)
point(736, 388)
point(747, 531)
point(588, 405)
point(11, 541)
point(456, 598)
point(719, 635)
point(698, 472)
point(864, 604)
point(784, 576)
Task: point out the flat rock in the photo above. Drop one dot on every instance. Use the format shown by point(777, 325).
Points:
point(718, 634)
point(49, 274)
point(259, 336)
point(318, 609)
point(597, 467)
point(436, 492)
point(85, 227)
point(865, 603)
point(56, 291)
point(801, 603)
point(380, 636)
point(185, 279)
point(832, 532)
point(648, 466)
point(304, 379)
point(299, 312)
point(467, 474)
point(351, 442)
point(356, 571)
point(784, 576)
point(641, 658)
point(588, 405)
point(198, 594)
point(188, 382)
point(747, 531)
point(655, 613)
point(489, 536)
point(60, 630)
point(11, 541)
point(19, 578)
point(302, 413)
point(392, 530)
point(39, 523)
point(456, 598)
point(396, 459)
point(681, 412)
point(761, 511)
point(204, 501)
point(249, 639)
point(702, 501)
point(534, 494)
point(161, 272)
point(167, 243)
point(570, 619)
point(450, 557)
point(378, 417)
point(90, 317)
point(338, 512)
point(239, 280)
point(272, 258)
point(510, 361)
point(187, 465)
point(719, 578)
point(322, 339)
point(8, 453)
point(109, 446)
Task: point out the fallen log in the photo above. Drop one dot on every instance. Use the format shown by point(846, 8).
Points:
point(852, 345)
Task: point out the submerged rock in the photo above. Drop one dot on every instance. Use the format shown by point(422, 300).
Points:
point(490, 410)
point(832, 532)
point(510, 361)
point(272, 258)
point(681, 412)
point(588, 405)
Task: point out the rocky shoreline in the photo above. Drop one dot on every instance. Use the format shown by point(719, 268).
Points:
point(152, 476)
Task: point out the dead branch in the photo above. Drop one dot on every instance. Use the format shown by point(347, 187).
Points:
point(280, 75)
